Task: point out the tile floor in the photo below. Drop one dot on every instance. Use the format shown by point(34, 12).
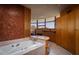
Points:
point(55, 49)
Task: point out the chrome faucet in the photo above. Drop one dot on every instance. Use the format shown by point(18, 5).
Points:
point(12, 45)
point(17, 45)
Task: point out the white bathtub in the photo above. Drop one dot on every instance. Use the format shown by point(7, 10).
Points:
point(20, 47)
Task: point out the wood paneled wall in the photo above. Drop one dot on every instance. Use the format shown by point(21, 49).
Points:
point(67, 31)
point(77, 30)
point(27, 22)
point(12, 19)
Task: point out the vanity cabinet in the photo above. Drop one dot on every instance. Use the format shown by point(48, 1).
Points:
point(47, 32)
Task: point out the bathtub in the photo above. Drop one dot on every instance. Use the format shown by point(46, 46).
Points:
point(20, 46)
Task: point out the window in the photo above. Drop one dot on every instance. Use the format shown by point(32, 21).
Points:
point(41, 23)
point(34, 23)
point(44, 23)
point(50, 23)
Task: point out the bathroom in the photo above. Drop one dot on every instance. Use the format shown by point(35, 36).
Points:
point(37, 29)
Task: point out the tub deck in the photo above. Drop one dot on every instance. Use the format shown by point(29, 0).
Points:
point(24, 46)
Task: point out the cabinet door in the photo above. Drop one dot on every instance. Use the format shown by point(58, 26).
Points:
point(52, 36)
point(71, 32)
point(58, 31)
point(77, 30)
point(65, 31)
point(77, 42)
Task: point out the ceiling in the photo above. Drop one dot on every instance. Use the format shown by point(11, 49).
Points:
point(44, 10)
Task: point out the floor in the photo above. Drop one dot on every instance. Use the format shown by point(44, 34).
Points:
point(55, 49)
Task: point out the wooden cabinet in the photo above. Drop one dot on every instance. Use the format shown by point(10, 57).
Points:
point(51, 33)
point(53, 37)
point(65, 31)
point(58, 31)
point(77, 30)
point(77, 42)
point(71, 32)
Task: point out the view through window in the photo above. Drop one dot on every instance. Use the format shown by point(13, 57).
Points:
point(44, 23)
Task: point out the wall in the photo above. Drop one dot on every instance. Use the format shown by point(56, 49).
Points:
point(12, 19)
point(67, 30)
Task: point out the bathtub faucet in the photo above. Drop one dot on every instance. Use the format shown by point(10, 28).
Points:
point(17, 45)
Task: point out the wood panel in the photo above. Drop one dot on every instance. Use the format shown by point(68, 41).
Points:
point(51, 35)
point(77, 42)
point(65, 31)
point(71, 32)
point(77, 30)
point(27, 22)
point(58, 31)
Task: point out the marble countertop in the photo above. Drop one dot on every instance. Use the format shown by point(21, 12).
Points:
point(41, 37)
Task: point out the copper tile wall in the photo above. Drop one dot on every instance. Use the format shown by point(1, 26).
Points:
point(11, 22)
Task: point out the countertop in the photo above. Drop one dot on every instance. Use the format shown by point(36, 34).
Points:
point(41, 37)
